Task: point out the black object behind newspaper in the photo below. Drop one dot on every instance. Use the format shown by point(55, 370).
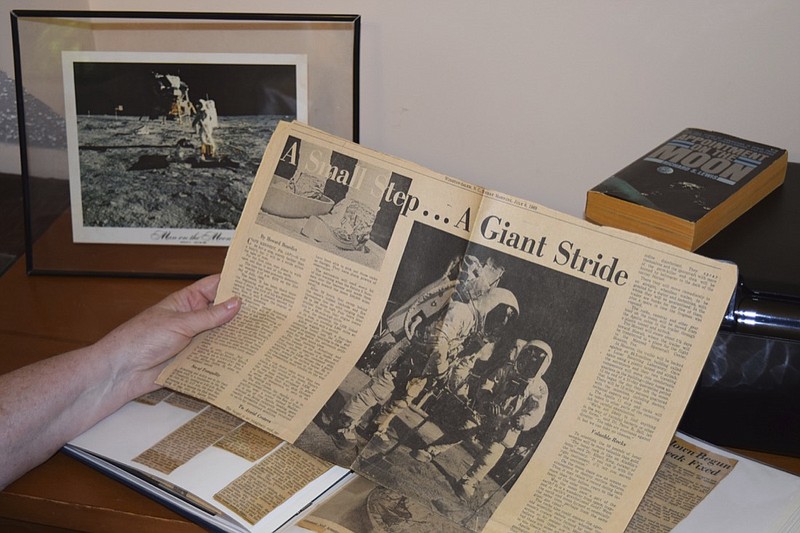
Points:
point(748, 395)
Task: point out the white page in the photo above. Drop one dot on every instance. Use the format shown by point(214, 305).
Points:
point(754, 497)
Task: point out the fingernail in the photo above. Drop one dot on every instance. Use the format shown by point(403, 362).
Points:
point(232, 302)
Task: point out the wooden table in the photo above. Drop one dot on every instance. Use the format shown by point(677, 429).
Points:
point(46, 315)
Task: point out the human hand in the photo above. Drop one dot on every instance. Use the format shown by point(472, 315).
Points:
point(140, 348)
point(48, 403)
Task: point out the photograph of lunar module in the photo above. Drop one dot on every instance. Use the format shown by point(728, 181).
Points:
point(333, 201)
point(164, 150)
point(473, 356)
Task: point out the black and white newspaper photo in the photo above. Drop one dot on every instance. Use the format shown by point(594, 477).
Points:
point(361, 506)
point(475, 386)
point(336, 202)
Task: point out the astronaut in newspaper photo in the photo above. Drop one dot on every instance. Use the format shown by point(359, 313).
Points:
point(460, 431)
point(475, 317)
point(507, 401)
point(464, 374)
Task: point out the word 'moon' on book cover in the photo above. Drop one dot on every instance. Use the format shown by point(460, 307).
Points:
point(687, 189)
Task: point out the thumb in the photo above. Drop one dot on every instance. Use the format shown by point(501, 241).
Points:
point(212, 316)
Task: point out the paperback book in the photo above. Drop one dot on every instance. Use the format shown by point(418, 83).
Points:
point(684, 191)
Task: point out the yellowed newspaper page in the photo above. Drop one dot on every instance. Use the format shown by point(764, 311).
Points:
point(659, 316)
point(313, 259)
point(545, 403)
point(517, 368)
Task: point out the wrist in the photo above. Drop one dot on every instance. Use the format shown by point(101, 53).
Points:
point(127, 378)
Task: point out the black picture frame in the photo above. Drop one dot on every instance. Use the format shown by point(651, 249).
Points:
point(56, 52)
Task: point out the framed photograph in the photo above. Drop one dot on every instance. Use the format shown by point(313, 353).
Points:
point(153, 140)
point(140, 133)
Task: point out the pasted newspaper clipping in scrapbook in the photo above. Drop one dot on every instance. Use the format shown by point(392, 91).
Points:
point(511, 367)
point(687, 474)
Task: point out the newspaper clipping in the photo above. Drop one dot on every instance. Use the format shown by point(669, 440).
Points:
point(686, 476)
point(515, 368)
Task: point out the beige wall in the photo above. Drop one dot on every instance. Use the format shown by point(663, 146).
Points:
point(543, 99)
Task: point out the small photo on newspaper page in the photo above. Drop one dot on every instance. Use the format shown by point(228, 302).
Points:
point(334, 201)
point(473, 356)
point(362, 506)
